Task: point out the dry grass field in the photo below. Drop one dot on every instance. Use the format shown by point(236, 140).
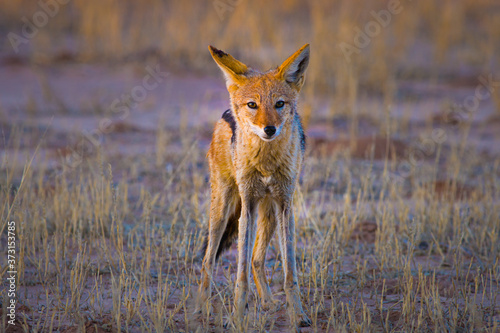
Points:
point(106, 114)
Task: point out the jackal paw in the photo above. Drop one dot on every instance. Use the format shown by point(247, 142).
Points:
point(299, 318)
point(271, 304)
point(236, 318)
point(304, 320)
point(202, 309)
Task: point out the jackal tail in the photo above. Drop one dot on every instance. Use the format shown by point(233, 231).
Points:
point(228, 237)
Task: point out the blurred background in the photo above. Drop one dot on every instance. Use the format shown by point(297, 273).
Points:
point(419, 36)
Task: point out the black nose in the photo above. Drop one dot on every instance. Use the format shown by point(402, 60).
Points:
point(270, 130)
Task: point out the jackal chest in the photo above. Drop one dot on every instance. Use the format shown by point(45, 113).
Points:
point(279, 183)
point(275, 186)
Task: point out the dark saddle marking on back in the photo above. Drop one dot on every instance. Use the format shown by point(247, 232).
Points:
point(228, 118)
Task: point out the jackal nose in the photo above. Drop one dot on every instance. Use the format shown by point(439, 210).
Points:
point(270, 130)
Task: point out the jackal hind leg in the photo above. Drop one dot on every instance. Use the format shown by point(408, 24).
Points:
point(223, 206)
point(286, 234)
point(266, 225)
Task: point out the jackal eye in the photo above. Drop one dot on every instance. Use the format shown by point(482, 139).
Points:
point(252, 105)
point(279, 104)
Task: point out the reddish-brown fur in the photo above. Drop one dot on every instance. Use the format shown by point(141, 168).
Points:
point(253, 173)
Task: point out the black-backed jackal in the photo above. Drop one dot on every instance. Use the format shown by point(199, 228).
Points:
point(255, 160)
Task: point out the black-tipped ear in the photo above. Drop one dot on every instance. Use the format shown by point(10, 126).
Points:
point(233, 70)
point(293, 69)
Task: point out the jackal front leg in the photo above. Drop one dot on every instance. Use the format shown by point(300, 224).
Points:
point(246, 239)
point(286, 234)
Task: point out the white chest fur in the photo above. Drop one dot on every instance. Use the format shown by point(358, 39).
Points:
point(267, 180)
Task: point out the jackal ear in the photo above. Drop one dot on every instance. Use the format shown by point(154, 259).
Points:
point(233, 70)
point(293, 69)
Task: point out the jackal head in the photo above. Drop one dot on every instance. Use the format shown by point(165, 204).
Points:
point(263, 102)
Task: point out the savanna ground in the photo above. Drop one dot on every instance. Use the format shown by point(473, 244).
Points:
point(106, 116)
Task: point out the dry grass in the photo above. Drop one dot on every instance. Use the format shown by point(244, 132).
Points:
point(114, 245)
point(397, 231)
